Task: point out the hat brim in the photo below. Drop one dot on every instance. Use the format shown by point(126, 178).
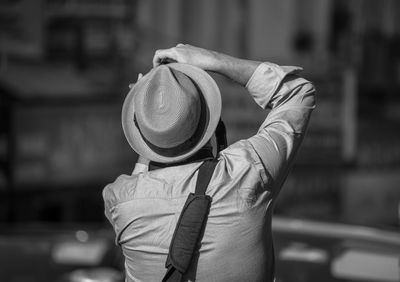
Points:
point(212, 98)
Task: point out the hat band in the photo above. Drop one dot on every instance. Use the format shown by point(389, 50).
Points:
point(188, 144)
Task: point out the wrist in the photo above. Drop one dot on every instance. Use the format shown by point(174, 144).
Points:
point(214, 61)
point(221, 63)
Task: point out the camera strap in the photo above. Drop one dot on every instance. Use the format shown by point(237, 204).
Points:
point(190, 227)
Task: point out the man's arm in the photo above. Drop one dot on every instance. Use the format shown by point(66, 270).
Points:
point(238, 70)
point(290, 98)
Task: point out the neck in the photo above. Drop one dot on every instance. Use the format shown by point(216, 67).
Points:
point(203, 154)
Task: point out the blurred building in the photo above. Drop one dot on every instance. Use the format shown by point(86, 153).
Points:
point(65, 67)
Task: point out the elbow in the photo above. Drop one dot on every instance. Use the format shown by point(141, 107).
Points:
point(309, 91)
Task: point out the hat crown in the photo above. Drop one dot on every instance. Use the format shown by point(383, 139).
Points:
point(167, 107)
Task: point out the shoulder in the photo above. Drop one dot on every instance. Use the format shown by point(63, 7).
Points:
point(122, 189)
point(241, 150)
point(241, 156)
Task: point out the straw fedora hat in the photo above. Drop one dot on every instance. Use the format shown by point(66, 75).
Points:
point(171, 112)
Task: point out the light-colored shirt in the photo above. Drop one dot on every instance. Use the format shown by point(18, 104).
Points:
point(144, 207)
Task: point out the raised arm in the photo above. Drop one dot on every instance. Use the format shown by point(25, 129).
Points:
point(290, 98)
point(238, 70)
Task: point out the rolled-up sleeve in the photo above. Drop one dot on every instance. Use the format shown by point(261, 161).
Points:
point(291, 100)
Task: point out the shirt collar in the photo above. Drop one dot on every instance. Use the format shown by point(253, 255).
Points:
point(203, 154)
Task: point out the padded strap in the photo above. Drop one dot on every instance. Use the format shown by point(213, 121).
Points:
point(190, 227)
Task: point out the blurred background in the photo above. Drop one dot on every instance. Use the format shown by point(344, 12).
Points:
point(65, 67)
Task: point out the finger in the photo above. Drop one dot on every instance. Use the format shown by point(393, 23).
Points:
point(157, 58)
point(166, 61)
point(161, 55)
point(140, 75)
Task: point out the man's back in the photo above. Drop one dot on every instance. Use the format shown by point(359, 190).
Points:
point(237, 243)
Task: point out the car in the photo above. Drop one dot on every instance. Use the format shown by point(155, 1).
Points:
point(305, 251)
point(46, 252)
point(321, 251)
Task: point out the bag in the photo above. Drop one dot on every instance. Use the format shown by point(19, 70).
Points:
point(190, 226)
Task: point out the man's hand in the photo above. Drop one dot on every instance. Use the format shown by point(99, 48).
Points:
point(187, 54)
point(236, 69)
point(140, 75)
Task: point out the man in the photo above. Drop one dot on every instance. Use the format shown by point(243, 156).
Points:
point(168, 117)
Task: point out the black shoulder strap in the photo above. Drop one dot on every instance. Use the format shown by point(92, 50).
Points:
point(190, 227)
point(220, 134)
point(206, 171)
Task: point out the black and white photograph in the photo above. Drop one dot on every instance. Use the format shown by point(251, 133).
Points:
point(207, 141)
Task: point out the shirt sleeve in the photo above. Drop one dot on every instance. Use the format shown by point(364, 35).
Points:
point(290, 99)
point(140, 168)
